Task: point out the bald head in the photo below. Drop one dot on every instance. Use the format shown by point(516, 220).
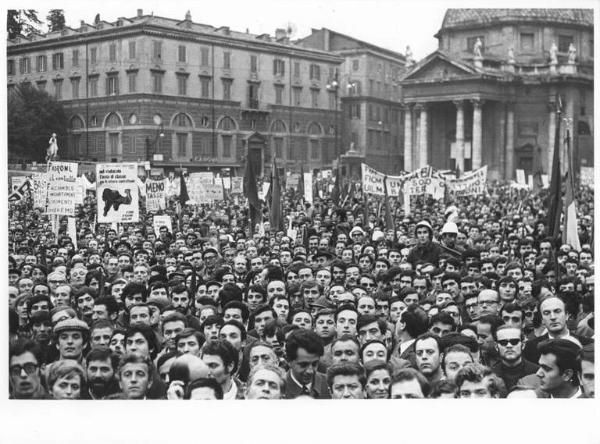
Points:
point(489, 302)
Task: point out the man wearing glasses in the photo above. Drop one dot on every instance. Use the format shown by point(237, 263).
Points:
point(511, 366)
point(24, 368)
point(488, 302)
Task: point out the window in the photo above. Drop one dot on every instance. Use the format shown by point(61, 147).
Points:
point(113, 141)
point(371, 87)
point(471, 43)
point(253, 63)
point(226, 139)
point(278, 142)
point(355, 111)
point(93, 55)
point(132, 145)
point(132, 81)
point(41, 63)
point(278, 67)
point(112, 52)
point(182, 144)
point(58, 89)
point(132, 50)
point(564, 41)
point(314, 98)
point(57, 61)
point(157, 50)
point(75, 57)
point(182, 54)
point(355, 65)
point(75, 88)
point(314, 149)
point(157, 78)
point(527, 42)
point(93, 147)
point(25, 65)
point(10, 68)
point(182, 84)
point(227, 124)
point(226, 60)
point(377, 113)
point(227, 89)
point(41, 85)
point(315, 72)
point(296, 69)
point(278, 127)
point(278, 94)
point(112, 85)
point(204, 56)
point(332, 100)
point(297, 95)
point(205, 87)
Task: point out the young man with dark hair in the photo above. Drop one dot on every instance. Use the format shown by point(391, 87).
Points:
point(101, 367)
point(511, 366)
point(25, 358)
point(346, 380)
point(222, 361)
point(560, 366)
point(304, 349)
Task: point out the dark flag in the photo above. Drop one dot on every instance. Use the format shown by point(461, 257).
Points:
point(183, 192)
point(389, 222)
point(337, 187)
point(276, 218)
point(570, 235)
point(555, 200)
point(251, 193)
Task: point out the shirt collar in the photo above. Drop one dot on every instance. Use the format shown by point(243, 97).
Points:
point(299, 384)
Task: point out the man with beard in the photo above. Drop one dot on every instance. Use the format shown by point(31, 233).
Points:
point(100, 371)
point(511, 366)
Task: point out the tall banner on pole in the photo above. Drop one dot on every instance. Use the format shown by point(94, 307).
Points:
point(117, 191)
point(62, 188)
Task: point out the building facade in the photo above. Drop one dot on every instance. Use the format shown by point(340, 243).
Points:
point(176, 92)
point(488, 95)
point(369, 87)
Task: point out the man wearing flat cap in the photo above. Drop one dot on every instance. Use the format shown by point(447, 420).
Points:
point(71, 337)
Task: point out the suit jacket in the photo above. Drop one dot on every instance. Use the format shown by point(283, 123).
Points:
point(531, 353)
point(319, 389)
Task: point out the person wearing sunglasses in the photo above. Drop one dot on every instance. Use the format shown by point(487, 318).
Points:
point(511, 366)
point(24, 369)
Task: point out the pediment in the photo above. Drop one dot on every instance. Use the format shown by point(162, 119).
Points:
point(439, 66)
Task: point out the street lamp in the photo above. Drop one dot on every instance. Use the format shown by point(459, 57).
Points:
point(333, 87)
point(160, 133)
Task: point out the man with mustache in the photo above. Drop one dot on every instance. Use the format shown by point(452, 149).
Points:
point(100, 371)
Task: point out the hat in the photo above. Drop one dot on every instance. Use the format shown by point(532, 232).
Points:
point(322, 302)
point(449, 228)
point(209, 250)
point(322, 252)
point(357, 230)
point(451, 209)
point(70, 325)
point(426, 224)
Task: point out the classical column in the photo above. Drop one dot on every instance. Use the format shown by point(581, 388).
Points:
point(460, 135)
point(423, 142)
point(477, 134)
point(510, 141)
point(551, 134)
point(408, 137)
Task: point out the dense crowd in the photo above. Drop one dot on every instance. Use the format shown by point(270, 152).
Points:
point(467, 299)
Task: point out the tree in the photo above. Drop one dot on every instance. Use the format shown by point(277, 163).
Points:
point(21, 21)
point(33, 116)
point(56, 20)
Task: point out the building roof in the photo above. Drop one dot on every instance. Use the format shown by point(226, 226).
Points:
point(468, 18)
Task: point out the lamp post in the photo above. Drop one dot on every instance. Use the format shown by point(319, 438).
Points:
point(160, 133)
point(333, 87)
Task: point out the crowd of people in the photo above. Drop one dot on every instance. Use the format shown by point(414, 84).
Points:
point(464, 299)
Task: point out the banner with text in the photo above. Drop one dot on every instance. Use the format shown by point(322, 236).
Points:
point(155, 195)
point(470, 184)
point(237, 185)
point(117, 192)
point(62, 188)
point(39, 190)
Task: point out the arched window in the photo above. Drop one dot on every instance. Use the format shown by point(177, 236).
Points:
point(113, 121)
point(182, 120)
point(227, 124)
point(278, 127)
point(314, 129)
point(76, 123)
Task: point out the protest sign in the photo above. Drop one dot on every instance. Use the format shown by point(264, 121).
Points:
point(521, 177)
point(155, 195)
point(163, 220)
point(308, 187)
point(470, 184)
point(117, 192)
point(62, 192)
point(237, 185)
point(587, 176)
point(39, 190)
point(372, 180)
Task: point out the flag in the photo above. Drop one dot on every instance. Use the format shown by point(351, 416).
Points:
point(276, 218)
point(337, 188)
point(555, 183)
point(389, 222)
point(183, 193)
point(569, 235)
point(251, 193)
point(300, 188)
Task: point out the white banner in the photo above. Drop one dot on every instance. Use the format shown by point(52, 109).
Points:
point(163, 220)
point(521, 177)
point(308, 187)
point(372, 180)
point(117, 192)
point(237, 185)
point(172, 187)
point(39, 190)
point(470, 184)
point(586, 176)
point(206, 177)
point(62, 192)
point(155, 195)
point(424, 181)
point(72, 230)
